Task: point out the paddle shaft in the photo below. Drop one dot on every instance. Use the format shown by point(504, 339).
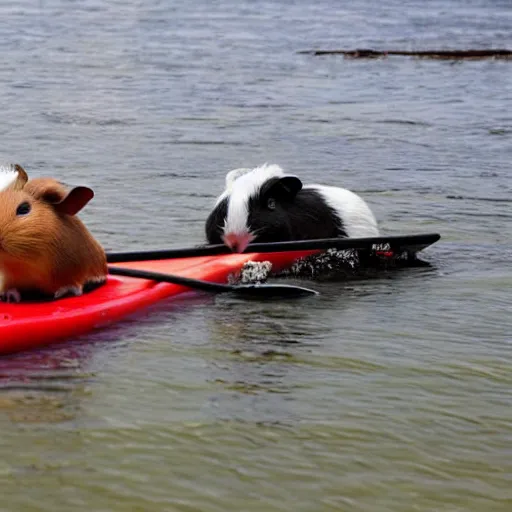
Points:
point(412, 242)
point(251, 290)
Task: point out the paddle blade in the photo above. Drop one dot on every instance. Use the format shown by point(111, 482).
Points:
point(272, 291)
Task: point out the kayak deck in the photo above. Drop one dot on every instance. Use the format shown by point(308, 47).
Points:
point(32, 325)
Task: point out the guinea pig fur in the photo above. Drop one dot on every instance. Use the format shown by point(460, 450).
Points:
point(44, 248)
point(266, 205)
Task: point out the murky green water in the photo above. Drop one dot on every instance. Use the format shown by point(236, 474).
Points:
point(390, 394)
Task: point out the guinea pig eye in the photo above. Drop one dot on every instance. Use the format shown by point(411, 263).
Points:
point(271, 203)
point(23, 209)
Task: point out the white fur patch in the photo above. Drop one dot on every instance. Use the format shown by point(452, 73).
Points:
point(11, 295)
point(98, 280)
point(75, 291)
point(241, 185)
point(233, 175)
point(8, 175)
point(353, 211)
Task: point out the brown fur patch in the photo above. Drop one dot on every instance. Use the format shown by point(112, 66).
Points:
point(46, 249)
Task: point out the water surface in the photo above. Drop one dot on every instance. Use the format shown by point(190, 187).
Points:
point(390, 394)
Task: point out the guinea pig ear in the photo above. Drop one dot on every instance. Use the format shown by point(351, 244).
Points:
point(75, 199)
point(292, 184)
point(284, 187)
point(64, 198)
point(12, 176)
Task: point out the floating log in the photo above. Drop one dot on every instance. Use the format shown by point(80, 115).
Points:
point(364, 53)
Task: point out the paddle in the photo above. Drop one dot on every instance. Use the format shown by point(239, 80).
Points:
point(411, 243)
point(247, 290)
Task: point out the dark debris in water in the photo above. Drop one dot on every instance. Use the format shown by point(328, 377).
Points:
point(488, 199)
point(333, 264)
point(367, 53)
point(500, 131)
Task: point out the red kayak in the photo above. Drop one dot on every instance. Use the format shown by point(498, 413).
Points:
point(33, 325)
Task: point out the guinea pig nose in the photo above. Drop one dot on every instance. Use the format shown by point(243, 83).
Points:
point(237, 242)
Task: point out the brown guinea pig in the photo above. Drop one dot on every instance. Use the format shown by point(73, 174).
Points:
point(44, 248)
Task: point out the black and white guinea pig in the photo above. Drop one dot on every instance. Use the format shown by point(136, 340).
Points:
point(266, 205)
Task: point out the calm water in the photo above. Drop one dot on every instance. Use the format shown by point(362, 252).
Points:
point(383, 395)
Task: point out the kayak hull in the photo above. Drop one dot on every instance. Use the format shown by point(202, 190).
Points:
point(28, 326)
